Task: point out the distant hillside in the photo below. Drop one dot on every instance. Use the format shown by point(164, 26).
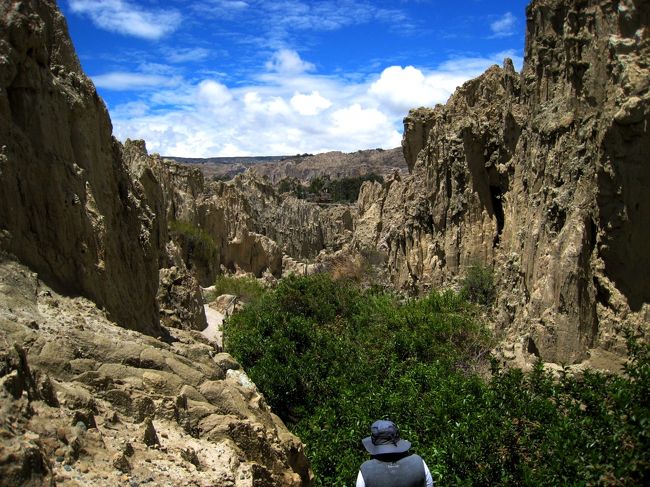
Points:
point(303, 167)
point(225, 160)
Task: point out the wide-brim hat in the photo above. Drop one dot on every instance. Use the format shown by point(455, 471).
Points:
point(384, 438)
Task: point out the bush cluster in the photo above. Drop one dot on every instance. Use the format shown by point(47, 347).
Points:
point(478, 285)
point(247, 289)
point(336, 190)
point(197, 245)
point(331, 358)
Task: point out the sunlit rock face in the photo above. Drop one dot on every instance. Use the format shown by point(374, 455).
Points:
point(540, 174)
point(87, 402)
point(68, 207)
point(86, 394)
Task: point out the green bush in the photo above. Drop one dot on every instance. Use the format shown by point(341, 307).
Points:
point(339, 190)
point(331, 358)
point(343, 189)
point(293, 186)
point(478, 285)
point(196, 243)
point(247, 289)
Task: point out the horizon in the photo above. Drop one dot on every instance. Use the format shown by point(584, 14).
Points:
point(235, 78)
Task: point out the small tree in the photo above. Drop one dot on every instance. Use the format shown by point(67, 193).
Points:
point(478, 285)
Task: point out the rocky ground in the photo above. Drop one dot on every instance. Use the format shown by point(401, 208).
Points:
point(85, 402)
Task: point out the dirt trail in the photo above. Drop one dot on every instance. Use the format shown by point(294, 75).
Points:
point(214, 331)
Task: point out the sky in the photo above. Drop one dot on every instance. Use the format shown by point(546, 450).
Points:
point(210, 78)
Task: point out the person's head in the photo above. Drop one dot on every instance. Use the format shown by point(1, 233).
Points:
point(384, 439)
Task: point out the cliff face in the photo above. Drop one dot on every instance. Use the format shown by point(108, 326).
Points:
point(68, 207)
point(539, 174)
point(83, 234)
point(251, 226)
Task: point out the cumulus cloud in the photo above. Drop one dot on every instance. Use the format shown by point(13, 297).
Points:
point(280, 115)
point(403, 88)
point(213, 93)
point(311, 104)
point(504, 26)
point(126, 18)
point(287, 61)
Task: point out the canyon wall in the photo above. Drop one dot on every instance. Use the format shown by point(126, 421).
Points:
point(541, 176)
point(84, 244)
point(250, 226)
point(68, 207)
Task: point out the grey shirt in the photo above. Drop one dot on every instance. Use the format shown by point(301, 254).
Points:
point(427, 475)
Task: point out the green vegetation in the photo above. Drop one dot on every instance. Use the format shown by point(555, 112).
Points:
point(197, 244)
point(293, 186)
point(247, 289)
point(478, 285)
point(323, 187)
point(331, 358)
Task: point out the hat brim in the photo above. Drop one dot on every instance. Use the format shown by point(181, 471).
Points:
point(401, 447)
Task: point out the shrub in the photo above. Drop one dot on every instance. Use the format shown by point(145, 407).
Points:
point(478, 285)
point(247, 289)
point(293, 186)
point(331, 358)
point(197, 244)
point(339, 190)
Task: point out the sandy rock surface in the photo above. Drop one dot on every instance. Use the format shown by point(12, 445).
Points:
point(85, 402)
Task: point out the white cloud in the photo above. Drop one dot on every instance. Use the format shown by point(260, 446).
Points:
point(126, 18)
point(404, 88)
point(279, 114)
point(504, 26)
point(213, 93)
point(230, 4)
point(312, 104)
point(187, 55)
point(121, 81)
point(286, 61)
point(132, 109)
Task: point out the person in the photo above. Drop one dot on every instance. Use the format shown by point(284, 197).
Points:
point(391, 465)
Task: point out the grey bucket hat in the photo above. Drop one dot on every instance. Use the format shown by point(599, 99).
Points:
point(384, 438)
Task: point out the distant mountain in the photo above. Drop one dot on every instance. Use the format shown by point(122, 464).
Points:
point(304, 166)
point(225, 160)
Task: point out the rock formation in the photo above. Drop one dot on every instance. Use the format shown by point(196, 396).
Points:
point(87, 402)
point(304, 167)
point(68, 207)
point(247, 224)
point(334, 164)
point(541, 176)
point(171, 192)
point(83, 244)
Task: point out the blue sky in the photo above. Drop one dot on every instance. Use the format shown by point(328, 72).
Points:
point(252, 77)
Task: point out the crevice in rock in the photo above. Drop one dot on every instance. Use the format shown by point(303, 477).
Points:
point(602, 293)
point(531, 347)
point(496, 197)
point(624, 210)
